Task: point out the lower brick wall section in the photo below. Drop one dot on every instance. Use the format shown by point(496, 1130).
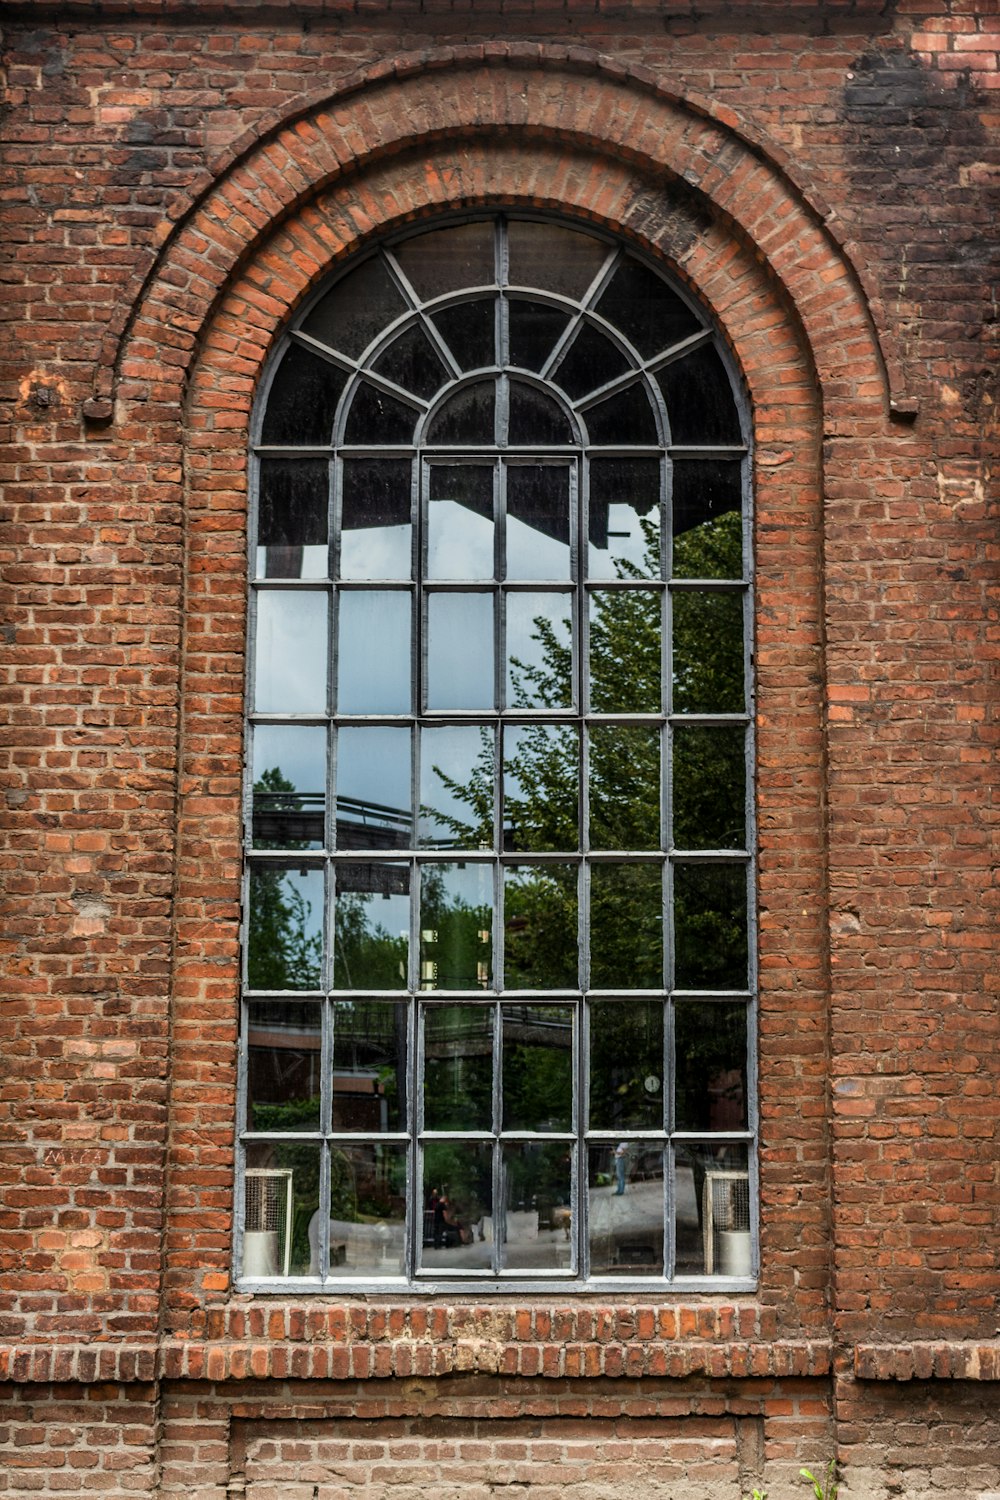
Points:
point(923, 1440)
point(78, 1443)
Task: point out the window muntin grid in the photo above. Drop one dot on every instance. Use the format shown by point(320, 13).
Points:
point(542, 908)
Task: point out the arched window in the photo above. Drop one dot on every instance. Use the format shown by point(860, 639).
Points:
point(497, 1017)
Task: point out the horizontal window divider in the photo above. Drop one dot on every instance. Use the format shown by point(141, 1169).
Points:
point(708, 719)
point(292, 585)
point(285, 994)
point(602, 1137)
point(375, 450)
point(308, 858)
point(721, 997)
point(362, 1138)
point(710, 856)
point(623, 585)
point(511, 1137)
point(653, 720)
point(274, 1137)
point(707, 450)
point(276, 450)
point(708, 585)
point(625, 997)
point(319, 720)
point(623, 450)
point(627, 856)
point(484, 1136)
point(692, 1137)
point(368, 585)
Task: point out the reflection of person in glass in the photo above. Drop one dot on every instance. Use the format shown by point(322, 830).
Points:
point(448, 1228)
point(621, 1161)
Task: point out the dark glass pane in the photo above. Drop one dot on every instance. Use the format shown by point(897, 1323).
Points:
point(373, 788)
point(541, 783)
point(458, 1067)
point(623, 419)
point(460, 529)
point(625, 663)
point(624, 518)
point(538, 531)
point(626, 918)
point(456, 787)
point(625, 1203)
point(292, 518)
point(536, 420)
point(552, 258)
point(281, 1209)
point(700, 403)
point(369, 1066)
point(457, 1197)
point(537, 1179)
point(649, 314)
point(539, 650)
point(290, 653)
point(374, 660)
point(704, 494)
point(285, 924)
point(376, 419)
point(446, 260)
point(375, 528)
point(537, 1067)
point(712, 1207)
point(709, 786)
point(710, 1047)
point(469, 330)
point(534, 330)
point(626, 1065)
point(284, 1076)
point(460, 651)
point(289, 786)
point(371, 928)
point(410, 361)
point(590, 361)
point(710, 927)
point(708, 653)
point(368, 1209)
point(456, 927)
point(624, 787)
point(467, 418)
point(541, 941)
point(355, 310)
point(302, 401)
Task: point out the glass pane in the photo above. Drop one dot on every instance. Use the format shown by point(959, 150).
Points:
point(625, 1201)
point(373, 788)
point(537, 1179)
point(357, 309)
point(712, 1207)
point(538, 1067)
point(460, 529)
point(410, 361)
point(292, 518)
point(626, 939)
point(446, 260)
point(290, 653)
point(710, 1046)
point(552, 258)
point(708, 653)
point(649, 314)
point(590, 361)
point(624, 787)
point(625, 418)
point(377, 419)
point(284, 1073)
point(375, 529)
point(539, 650)
point(467, 418)
point(469, 330)
point(460, 651)
point(709, 786)
point(710, 927)
point(701, 408)
point(371, 937)
point(302, 401)
point(456, 927)
point(457, 764)
point(541, 939)
point(625, 663)
point(367, 1210)
point(534, 331)
point(538, 532)
point(457, 1195)
point(541, 786)
point(624, 518)
point(708, 526)
point(285, 922)
point(458, 1067)
point(374, 660)
point(626, 1065)
point(289, 786)
point(281, 1209)
point(536, 420)
point(369, 1066)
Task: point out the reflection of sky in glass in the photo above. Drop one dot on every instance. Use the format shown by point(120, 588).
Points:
point(286, 926)
point(373, 765)
point(526, 646)
point(290, 673)
point(459, 541)
point(369, 917)
point(460, 651)
point(625, 542)
point(298, 752)
point(374, 661)
point(532, 554)
point(453, 754)
point(375, 552)
point(292, 562)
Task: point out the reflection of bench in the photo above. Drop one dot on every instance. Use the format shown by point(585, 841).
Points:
point(357, 1246)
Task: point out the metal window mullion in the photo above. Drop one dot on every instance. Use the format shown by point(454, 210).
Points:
point(499, 1207)
point(679, 351)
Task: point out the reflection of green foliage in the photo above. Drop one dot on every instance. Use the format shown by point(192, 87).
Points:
point(367, 957)
point(458, 949)
point(458, 1071)
point(537, 1175)
point(709, 773)
point(537, 1068)
point(540, 929)
point(712, 550)
point(296, 1114)
point(343, 1192)
point(465, 1173)
point(626, 921)
point(284, 954)
point(710, 922)
point(708, 627)
point(626, 1049)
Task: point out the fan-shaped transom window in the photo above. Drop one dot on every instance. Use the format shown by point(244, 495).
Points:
point(497, 1014)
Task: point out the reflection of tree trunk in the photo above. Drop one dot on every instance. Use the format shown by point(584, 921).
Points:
point(400, 1023)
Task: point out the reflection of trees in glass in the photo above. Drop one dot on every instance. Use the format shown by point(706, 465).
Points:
point(284, 953)
point(540, 929)
point(708, 627)
point(537, 1067)
point(366, 955)
point(461, 944)
point(275, 795)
